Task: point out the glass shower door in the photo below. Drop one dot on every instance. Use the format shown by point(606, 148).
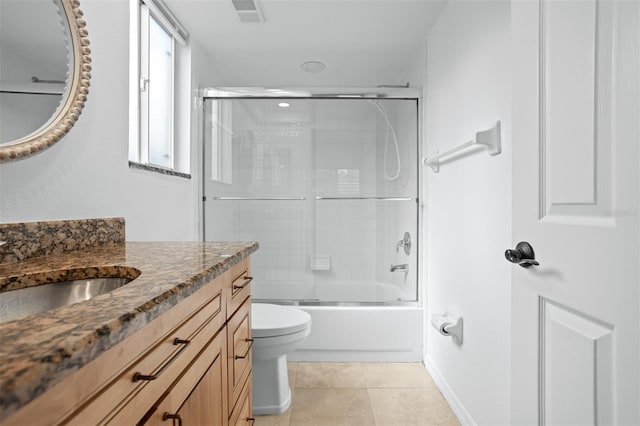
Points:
point(327, 186)
point(255, 188)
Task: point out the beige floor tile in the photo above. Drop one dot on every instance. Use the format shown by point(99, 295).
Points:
point(292, 368)
point(410, 407)
point(397, 375)
point(274, 420)
point(329, 375)
point(331, 407)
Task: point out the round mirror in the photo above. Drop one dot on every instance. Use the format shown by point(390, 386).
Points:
point(44, 73)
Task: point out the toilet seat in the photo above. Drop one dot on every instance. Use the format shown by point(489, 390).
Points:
point(276, 320)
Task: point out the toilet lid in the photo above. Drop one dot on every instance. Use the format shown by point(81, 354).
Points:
point(275, 320)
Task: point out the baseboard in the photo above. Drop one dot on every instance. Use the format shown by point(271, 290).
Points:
point(454, 402)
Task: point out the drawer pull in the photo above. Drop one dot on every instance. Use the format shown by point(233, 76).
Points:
point(246, 354)
point(138, 376)
point(244, 284)
point(251, 420)
point(167, 416)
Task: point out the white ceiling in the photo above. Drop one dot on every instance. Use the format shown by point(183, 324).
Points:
point(362, 42)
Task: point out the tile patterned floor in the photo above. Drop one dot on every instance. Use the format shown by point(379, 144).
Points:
point(369, 394)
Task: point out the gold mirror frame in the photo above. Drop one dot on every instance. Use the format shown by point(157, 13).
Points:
point(76, 91)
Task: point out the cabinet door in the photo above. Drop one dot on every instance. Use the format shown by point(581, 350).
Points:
point(241, 415)
point(239, 348)
point(204, 405)
point(200, 396)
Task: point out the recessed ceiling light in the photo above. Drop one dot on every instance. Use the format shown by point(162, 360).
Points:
point(283, 105)
point(313, 66)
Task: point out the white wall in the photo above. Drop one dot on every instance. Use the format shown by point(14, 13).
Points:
point(468, 222)
point(86, 174)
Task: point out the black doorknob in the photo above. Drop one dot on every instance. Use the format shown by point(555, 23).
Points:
point(522, 255)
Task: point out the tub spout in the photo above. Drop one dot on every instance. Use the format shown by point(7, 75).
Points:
point(402, 267)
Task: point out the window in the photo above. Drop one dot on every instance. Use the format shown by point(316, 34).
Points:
point(156, 92)
point(159, 36)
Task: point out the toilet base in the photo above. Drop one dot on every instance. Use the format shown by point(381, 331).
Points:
point(271, 392)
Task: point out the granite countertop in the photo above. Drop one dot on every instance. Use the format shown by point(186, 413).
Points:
point(39, 351)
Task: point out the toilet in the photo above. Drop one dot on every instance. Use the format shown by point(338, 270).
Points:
point(276, 331)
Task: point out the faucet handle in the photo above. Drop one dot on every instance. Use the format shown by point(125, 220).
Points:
point(405, 242)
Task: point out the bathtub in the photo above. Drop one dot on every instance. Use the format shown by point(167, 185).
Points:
point(366, 331)
point(362, 334)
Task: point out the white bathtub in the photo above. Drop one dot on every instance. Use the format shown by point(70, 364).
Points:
point(362, 334)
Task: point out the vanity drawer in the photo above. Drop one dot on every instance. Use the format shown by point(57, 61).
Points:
point(239, 287)
point(242, 415)
point(128, 398)
point(239, 344)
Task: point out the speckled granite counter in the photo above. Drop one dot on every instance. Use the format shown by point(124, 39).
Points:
point(39, 351)
point(23, 240)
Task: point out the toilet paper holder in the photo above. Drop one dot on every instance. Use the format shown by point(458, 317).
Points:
point(448, 325)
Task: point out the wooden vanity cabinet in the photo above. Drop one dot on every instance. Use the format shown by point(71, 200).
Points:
point(190, 366)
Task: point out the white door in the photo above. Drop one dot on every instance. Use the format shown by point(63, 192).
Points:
point(576, 137)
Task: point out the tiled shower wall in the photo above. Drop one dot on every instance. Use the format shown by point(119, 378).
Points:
point(320, 148)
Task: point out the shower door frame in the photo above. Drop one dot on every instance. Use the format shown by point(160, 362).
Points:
point(331, 93)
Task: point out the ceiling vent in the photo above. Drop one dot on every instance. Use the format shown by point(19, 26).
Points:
point(248, 11)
